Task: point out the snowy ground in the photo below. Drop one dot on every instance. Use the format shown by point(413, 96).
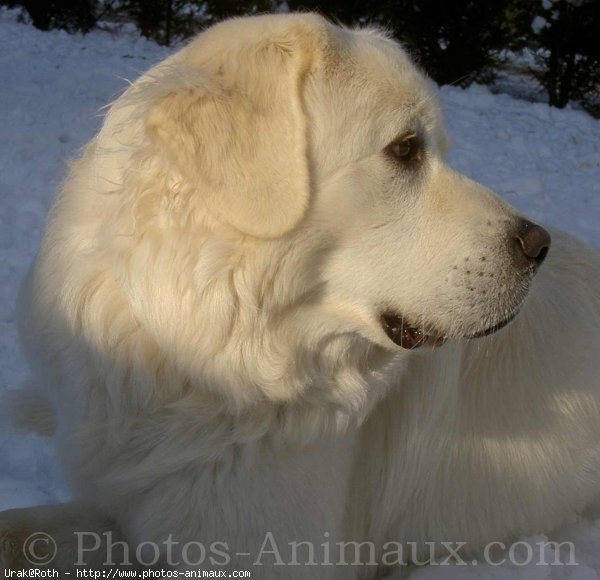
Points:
point(544, 161)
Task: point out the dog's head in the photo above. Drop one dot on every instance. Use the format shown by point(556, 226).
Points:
point(292, 204)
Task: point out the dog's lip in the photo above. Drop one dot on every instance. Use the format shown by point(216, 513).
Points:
point(410, 336)
point(496, 327)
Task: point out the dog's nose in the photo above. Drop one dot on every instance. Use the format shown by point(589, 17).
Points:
point(534, 240)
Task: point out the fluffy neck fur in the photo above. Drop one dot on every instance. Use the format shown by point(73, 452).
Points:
point(255, 368)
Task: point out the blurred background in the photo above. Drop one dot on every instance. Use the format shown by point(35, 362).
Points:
point(554, 42)
point(519, 92)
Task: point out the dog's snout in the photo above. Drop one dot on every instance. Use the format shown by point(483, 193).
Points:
point(533, 240)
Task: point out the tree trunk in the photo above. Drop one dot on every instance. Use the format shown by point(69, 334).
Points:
point(168, 23)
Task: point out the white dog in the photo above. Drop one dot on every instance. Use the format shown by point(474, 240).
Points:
point(261, 312)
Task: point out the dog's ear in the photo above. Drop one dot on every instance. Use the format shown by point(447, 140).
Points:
point(241, 136)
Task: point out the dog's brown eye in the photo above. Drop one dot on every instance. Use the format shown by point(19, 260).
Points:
point(405, 149)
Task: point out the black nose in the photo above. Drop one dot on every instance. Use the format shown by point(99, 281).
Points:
point(534, 240)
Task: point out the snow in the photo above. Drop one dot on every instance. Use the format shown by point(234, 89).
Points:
point(538, 24)
point(544, 161)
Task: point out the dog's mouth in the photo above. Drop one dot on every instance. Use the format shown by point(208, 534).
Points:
point(410, 336)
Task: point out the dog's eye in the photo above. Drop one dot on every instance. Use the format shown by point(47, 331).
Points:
point(405, 149)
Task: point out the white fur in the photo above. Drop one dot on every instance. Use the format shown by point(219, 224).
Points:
point(204, 313)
